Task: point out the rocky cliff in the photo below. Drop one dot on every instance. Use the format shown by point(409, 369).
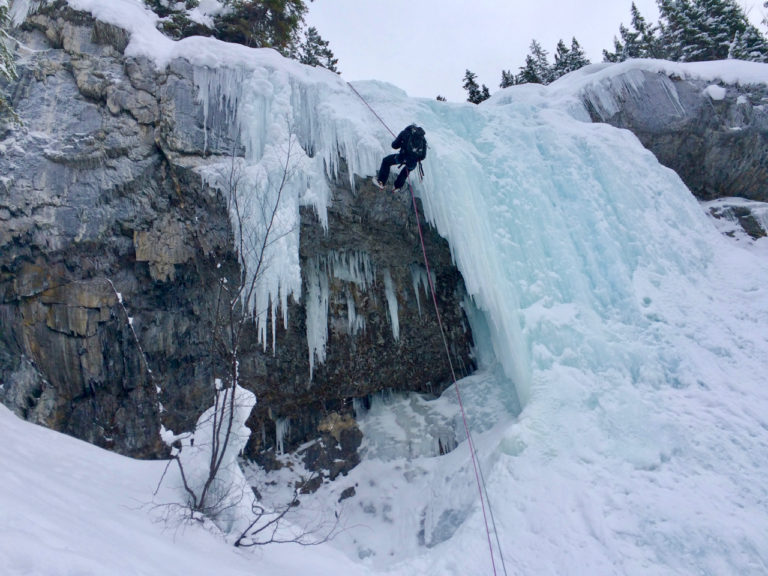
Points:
point(714, 135)
point(112, 246)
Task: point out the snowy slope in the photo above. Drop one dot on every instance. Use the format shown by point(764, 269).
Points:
point(68, 508)
point(621, 415)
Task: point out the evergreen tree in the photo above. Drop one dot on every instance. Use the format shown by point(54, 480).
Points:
point(578, 58)
point(750, 45)
point(7, 64)
point(569, 59)
point(640, 41)
point(175, 21)
point(537, 69)
point(617, 54)
point(314, 51)
point(631, 42)
point(475, 94)
point(678, 32)
point(647, 41)
point(765, 18)
point(507, 79)
point(165, 8)
point(263, 23)
point(277, 24)
point(562, 58)
point(724, 21)
point(696, 30)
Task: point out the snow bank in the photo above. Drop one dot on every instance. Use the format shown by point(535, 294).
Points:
point(227, 497)
point(71, 508)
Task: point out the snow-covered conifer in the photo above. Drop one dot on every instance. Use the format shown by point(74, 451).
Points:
point(507, 79)
point(750, 45)
point(315, 51)
point(562, 58)
point(648, 45)
point(697, 30)
point(577, 56)
point(569, 59)
point(639, 41)
point(537, 69)
point(475, 94)
point(617, 54)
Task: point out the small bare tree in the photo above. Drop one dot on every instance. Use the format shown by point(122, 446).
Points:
point(212, 489)
point(206, 460)
point(221, 491)
point(265, 525)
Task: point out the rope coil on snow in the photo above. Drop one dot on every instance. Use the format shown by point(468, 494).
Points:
point(475, 465)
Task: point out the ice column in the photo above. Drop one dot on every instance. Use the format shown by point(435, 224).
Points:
point(317, 312)
point(351, 266)
point(282, 428)
point(389, 292)
point(420, 281)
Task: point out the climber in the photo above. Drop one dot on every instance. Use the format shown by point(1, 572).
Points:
point(413, 149)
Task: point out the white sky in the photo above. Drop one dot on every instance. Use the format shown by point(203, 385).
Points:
point(424, 46)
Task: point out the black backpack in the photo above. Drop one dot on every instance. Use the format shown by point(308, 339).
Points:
point(416, 146)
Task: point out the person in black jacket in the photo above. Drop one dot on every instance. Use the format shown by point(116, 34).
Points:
point(413, 149)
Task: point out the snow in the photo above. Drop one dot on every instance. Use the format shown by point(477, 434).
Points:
point(227, 496)
point(728, 223)
point(620, 416)
point(70, 508)
point(204, 12)
point(715, 92)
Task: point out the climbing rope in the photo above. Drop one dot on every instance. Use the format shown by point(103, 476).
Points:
point(475, 465)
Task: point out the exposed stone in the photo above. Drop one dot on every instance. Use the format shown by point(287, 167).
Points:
point(735, 214)
point(718, 146)
point(335, 424)
point(347, 493)
point(166, 244)
point(100, 195)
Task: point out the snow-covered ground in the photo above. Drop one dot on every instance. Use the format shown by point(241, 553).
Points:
point(621, 413)
point(70, 509)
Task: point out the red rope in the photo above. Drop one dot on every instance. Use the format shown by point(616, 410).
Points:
point(448, 354)
point(371, 109)
point(453, 375)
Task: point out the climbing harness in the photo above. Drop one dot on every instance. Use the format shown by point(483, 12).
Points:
point(476, 466)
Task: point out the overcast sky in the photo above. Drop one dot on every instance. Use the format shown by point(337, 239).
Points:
point(424, 46)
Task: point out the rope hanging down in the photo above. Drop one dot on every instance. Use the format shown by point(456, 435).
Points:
point(475, 465)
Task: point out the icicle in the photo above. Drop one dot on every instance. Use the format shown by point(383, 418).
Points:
point(352, 266)
point(317, 312)
point(420, 280)
point(20, 9)
point(389, 292)
point(355, 323)
point(282, 428)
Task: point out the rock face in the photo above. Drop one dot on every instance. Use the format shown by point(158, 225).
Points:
point(111, 249)
point(714, 136)
point(736, 216)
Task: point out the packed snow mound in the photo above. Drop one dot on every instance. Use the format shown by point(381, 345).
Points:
point(71, 508)
point(621, 411)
